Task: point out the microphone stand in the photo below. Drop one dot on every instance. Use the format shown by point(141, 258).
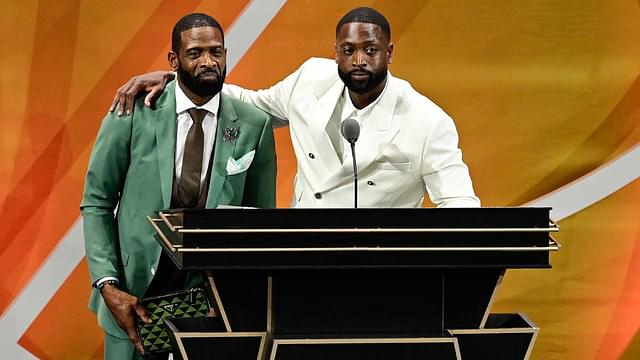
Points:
point(350, 130)
point(355, 174)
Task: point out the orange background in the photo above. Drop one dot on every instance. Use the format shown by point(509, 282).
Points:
point(542, 92)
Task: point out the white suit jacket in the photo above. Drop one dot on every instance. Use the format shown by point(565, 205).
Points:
point(409, 145)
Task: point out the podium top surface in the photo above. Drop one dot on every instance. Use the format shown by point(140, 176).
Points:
point(495, 217)
point(356, 238)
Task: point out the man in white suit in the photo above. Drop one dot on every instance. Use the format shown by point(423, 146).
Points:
point(407, 144)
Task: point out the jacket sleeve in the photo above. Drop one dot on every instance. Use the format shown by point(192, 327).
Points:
point(260, 184)
point(103, 186)
point(445, 175)
point(274, 100)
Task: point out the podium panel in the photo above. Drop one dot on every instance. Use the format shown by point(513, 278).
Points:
point(204, 339)
point(351, 302)
point(370, 349)
point(505, 337)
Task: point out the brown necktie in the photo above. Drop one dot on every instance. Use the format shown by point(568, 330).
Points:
point(189, 184)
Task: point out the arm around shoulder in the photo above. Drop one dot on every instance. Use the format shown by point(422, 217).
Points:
point(274, 100)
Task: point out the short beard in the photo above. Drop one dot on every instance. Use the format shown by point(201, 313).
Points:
point(361, 88)
point(202, 88)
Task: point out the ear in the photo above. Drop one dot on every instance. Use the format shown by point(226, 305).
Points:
point(389, 53)
point(173, 60)
point(224, 61)
point(335, 49)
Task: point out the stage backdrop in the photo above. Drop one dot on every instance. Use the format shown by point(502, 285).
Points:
point(544, 94)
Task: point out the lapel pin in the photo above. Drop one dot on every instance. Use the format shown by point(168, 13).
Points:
point(230, 134)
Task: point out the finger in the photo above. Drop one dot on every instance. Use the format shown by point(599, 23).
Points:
point(135, 340)
point(130, 329)
point(122, 98)
point(116, 98)
point(147, 100)
point(155, 91)
point(138, 345)
point(114, 102)
point(130, 98)
point(142, 313)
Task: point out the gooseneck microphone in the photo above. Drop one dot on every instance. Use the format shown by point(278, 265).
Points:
point(350, 130)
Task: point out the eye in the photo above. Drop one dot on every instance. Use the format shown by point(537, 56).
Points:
point(347, 50)
point(193, 53)
point(371, 50)
point(218, 52)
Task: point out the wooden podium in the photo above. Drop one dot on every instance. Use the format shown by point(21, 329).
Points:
point(356, 283)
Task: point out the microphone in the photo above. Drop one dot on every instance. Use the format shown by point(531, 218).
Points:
point(350, 130)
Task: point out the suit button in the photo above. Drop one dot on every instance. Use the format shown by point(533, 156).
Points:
point(318, 196)
point(312, 156)
point(370, 183)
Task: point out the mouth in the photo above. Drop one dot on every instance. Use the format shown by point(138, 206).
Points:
point(208, 75)
point(359, 75)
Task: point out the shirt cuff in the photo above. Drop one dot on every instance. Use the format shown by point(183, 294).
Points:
point(103, 279)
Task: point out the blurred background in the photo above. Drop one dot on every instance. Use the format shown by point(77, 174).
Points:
point(544, 93)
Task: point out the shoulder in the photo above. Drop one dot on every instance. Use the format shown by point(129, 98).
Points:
point(318, 69)
point(162, 109)
point(143, 120)
point(316, 75)
point(414, 102)
point(418, 113)
point(316, 62)
point(166, 100)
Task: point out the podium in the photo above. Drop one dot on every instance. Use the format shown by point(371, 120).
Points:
point(356, 283)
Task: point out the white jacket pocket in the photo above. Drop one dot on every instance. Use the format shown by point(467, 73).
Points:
point(240, 165)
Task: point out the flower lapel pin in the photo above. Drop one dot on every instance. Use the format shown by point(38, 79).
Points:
point(230, 134)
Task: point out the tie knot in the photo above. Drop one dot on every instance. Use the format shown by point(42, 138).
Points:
point(197, 115)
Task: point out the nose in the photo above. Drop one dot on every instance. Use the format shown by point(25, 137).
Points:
point(358, 59)
point(208, 61)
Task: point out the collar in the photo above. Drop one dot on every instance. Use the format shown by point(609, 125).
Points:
point(183, 103)
point(350, 111)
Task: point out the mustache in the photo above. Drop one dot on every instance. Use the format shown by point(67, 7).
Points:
point(215, 72)
point(360, 71)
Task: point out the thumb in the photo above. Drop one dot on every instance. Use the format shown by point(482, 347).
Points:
point(150, 97)
point(142, 313)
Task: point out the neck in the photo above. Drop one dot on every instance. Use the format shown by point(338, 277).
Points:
point(195, 98)
point(361, 100)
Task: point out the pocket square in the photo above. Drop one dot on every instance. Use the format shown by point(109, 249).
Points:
point(240, 165)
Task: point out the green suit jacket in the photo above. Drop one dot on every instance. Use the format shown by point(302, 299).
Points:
point(132, 167)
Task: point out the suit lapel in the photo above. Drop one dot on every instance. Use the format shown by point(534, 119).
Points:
point(320, 112)
point(222, 151)
point(376, 133)
point(164, 121)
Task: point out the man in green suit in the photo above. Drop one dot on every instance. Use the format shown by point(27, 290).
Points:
point(196, 148)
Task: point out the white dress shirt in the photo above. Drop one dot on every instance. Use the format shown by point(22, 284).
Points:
point(349, 111)
point(183, 103)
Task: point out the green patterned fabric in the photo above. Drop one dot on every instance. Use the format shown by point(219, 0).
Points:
point(190, 303)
